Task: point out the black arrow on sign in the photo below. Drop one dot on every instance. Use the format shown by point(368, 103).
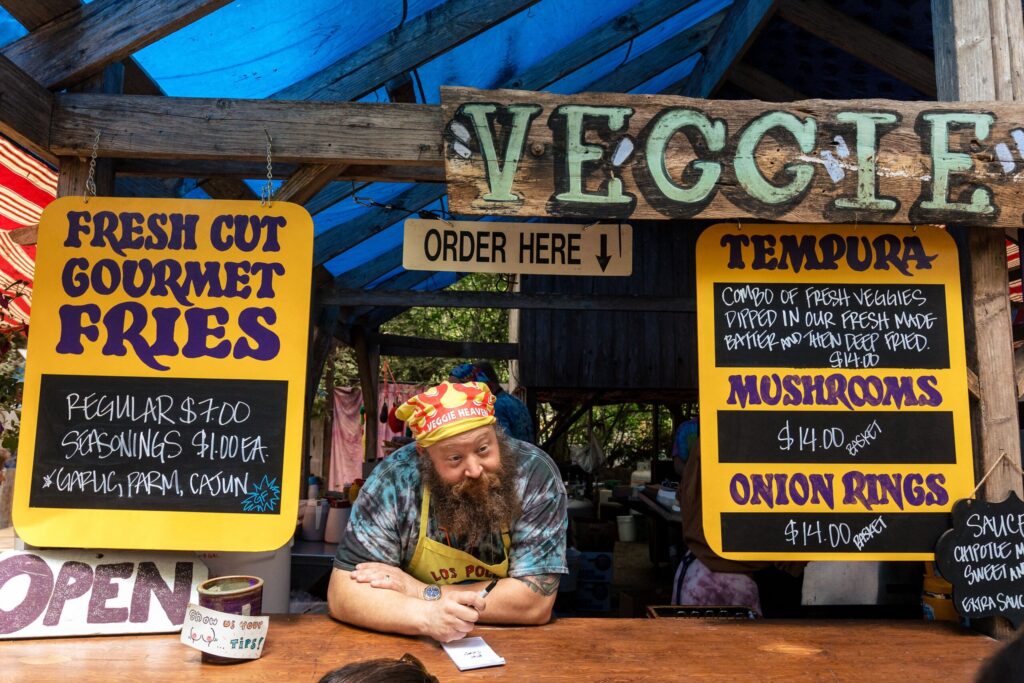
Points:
point(604, 257)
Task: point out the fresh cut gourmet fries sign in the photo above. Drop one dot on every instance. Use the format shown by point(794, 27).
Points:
point(164, 387)
point(607, 156)
point(834, 411)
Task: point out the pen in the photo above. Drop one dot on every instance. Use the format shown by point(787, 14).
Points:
point(489, 588)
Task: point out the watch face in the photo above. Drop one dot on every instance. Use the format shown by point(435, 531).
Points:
point(432, 593)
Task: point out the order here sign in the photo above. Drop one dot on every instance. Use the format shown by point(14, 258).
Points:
point(528, 248)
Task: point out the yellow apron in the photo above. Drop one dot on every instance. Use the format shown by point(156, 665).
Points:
point(435, 562)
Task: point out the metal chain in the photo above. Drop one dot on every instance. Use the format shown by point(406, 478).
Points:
point(90, 181)
point(268, 189)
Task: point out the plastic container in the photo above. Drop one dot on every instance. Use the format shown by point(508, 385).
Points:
point(313, 488)
point(337, 520)
point(572, 560)
point(314, 520)
point(627, 528)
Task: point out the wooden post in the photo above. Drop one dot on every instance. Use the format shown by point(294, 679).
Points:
point(655, 410)
point(74, 171)
point(979, 55)
point(368, 357)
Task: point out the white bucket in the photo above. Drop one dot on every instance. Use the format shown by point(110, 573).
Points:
point(627, 528)
point(274, 567)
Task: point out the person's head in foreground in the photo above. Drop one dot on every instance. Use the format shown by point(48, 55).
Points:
point(407, 669)
point(465, 459)
point(1006, 665)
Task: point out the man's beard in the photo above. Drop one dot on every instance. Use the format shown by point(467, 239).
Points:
point(473, 508)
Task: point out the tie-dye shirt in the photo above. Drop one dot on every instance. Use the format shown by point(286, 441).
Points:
point(385, 520)
point(514, 416)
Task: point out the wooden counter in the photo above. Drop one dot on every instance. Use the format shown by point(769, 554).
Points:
point(302, 648)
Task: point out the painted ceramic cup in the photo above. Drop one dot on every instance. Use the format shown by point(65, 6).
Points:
point(241, 595)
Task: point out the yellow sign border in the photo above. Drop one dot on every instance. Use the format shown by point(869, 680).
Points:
point(711, 269)
point(164, 530)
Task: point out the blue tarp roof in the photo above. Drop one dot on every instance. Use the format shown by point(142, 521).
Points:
point(255, 48)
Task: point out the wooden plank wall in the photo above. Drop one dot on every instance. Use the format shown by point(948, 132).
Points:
point(618, 351)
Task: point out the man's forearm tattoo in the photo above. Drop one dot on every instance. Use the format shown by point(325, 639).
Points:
point(543, 584)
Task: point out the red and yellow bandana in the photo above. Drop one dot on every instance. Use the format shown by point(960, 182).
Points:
point(446, 410)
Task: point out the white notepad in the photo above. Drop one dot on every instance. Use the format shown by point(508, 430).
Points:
point(472, 653)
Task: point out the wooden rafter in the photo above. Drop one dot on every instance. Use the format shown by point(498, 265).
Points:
point(762, 86)
point(741, 26)
point(598, 42)
point(365, 273)
point(406, 47)
point(397, 345)
point(306, 182)
point(344, 236)
point(35, 13)
point(655, 61)
point(83, 41)
point(532, 300)
point(201, 128)
point(25, 110)
point(864, 42)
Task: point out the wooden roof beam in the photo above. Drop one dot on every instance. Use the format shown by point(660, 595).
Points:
point(643, 16)
point(362, 275)
point(741, 26)
point(400, 345)
point(79, 43)
point(522, 300)
point(34, 13)
point(761, 86)
point(306, 182)
point(670, 52)
point(144, 127)
point(402, 49)
point(344, 236)
point(25, 110)
point(864, 42)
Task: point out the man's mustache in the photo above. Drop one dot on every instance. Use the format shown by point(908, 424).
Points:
point(476, 488)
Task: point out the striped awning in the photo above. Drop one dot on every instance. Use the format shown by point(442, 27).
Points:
point(27, 185)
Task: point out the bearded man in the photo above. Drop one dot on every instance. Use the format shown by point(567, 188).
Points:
point(440, 518)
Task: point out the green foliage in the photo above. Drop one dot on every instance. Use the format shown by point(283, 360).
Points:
point(454, 324)
point(12, 373)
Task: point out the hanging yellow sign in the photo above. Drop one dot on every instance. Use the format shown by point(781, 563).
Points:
point(834, 412)
point(163, 399)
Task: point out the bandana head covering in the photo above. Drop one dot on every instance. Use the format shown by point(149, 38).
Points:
point(447, 410)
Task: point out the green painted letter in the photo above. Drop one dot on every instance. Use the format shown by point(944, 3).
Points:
point(749, 175)
point(576, 152)
point(500, 177)
point(867, 157)
point(945, 163)
point(657, 141)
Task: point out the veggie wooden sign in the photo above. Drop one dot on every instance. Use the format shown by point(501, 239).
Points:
point(608, 156)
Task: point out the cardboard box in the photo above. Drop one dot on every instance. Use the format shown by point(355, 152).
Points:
point(596, 566)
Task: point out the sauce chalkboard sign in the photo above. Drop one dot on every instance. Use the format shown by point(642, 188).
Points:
point(983, 557)
point(834, 415)
point(163, 402)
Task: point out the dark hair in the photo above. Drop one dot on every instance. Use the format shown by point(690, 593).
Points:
point(488, 369)
point(407, 669)
point(1005, 665)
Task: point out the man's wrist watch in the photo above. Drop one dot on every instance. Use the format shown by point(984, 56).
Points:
point(432, 592)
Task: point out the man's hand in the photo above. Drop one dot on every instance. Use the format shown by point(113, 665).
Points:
point(380, 575)
point(453, 616)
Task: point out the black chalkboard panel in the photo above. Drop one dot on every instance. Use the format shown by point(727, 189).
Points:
point(830, 326)
point(142, 443)
point(983, 557)
point(867, 532)
point(820, 436)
